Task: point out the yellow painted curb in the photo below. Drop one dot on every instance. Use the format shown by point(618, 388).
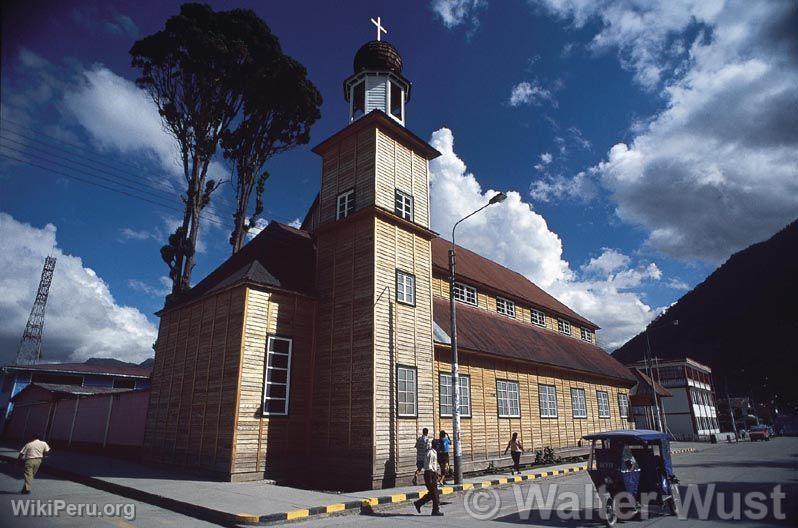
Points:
point(336, 507)
point(399, 497)
point(296, 514)
point(467, 486)
point(371, 501)
point(447, 490)
point(502, 481)
point(486, 484)
point(247, 518)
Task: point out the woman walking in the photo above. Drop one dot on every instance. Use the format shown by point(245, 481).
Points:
point(444, 443)
point(516, 448)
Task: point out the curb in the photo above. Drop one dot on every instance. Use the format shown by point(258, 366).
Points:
point(236, 519)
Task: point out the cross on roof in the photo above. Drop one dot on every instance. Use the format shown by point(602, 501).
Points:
point(380, 29)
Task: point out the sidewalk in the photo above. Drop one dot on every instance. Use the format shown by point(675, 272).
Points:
point(235, 503)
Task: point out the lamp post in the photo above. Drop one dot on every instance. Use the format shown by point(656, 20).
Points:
point(458, 468)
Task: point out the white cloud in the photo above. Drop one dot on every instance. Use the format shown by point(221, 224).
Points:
point(458, 12)
point(557, 186)
point(165, 286)
point(526, 93)
point(513, 234)
point(546, 158)
point(717, 169)
point(120, 116)
point(83, 320)
point(141, 234)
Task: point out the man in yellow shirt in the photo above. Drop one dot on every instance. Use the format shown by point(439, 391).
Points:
point(32, 454)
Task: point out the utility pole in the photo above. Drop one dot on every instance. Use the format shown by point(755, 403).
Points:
point(29, 351)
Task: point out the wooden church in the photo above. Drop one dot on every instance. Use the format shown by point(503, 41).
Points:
point(318, 354)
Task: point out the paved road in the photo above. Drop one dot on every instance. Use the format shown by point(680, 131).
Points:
point(47, 488)
point(743, 467)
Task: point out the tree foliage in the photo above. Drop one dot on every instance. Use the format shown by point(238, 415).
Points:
point(200, 71)
point(280, 106)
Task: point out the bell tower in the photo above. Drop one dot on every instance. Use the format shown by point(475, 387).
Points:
point(377, 82)
point(373, 367)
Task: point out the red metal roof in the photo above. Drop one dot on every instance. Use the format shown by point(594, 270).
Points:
point(87, 368)
point(474, 268)
point(482, 331)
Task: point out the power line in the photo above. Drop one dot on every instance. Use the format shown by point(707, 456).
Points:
point(106, 177)
point(96, 184)
point(219, 198)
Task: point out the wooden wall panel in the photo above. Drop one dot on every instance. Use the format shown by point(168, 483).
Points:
point(189, 418)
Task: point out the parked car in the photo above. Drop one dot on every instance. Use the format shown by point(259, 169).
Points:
point(759, 432)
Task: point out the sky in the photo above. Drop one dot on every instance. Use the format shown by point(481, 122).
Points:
point(640, 144)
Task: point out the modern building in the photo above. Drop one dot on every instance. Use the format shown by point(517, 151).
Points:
point(691, 412)
point(327, 346)
point(646, 400)
point(14, 378)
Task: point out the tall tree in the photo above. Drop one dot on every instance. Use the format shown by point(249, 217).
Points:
point(195, 70)
point(280, 106)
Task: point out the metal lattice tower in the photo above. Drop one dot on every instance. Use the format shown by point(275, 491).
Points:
point(30, 346)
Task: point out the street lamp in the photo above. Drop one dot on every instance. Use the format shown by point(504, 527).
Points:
point(458, 452)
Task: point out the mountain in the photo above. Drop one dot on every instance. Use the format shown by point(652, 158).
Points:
point(118, 362)
point(742, 321)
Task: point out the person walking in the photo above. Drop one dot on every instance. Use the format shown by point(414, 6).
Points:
point(430, 481)
point(516, 448)
point(32, 454)
point(445, 444)
point(421, 452)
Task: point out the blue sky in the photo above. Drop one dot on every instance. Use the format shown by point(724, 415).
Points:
point(602, 116)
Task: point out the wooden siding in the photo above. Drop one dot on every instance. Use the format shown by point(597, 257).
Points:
point(376, 93)
point(398, 167)
point(349, 164)
point(341, 428)
point(264, 443)
point(523, 313)
point(402, 336)
point(484, 435)
point(190, 418)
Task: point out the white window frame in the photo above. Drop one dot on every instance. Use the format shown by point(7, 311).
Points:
point(564, 326)
point(462, 293)
point(603, 404)
point(405, 288)
point(267, 368)
point(538, 317)
point(586, 335)
point(505, 307)
point(405, 369)
point(508, 396)
point(404, 205)
point(547, 400)
point(623, 405)
point(445, 392)
point(347, 199)
point(578, 403)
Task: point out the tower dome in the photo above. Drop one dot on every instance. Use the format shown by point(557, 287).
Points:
point(378, 55)
point(377, 82)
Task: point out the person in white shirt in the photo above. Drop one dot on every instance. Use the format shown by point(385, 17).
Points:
point(32, 454)
point(431, 481)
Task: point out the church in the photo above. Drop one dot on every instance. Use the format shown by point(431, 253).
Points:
point(317, 354)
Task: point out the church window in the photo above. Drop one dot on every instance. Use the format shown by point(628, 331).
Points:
point(564, 326)
point(404, 205)
point(466, 294)
point(623, 405)
point(359, 99)
point(547, 398)
point(396, 101)
point(406, 395)
point(446, 394)
point(405, 288)
point(579, 403)
point(538, 317)
point(277, 378)
point(346, 204)
point(508, 399)
point(505, 307)
point(603, 404)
